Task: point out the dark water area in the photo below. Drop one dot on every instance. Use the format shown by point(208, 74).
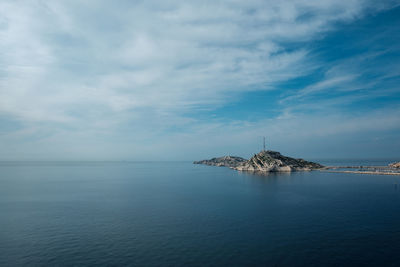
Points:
point(180, 214)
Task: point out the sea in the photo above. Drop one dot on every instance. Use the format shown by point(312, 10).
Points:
point(182, 214)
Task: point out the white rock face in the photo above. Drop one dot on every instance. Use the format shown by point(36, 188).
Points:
point(395, 165)
point(272, 161)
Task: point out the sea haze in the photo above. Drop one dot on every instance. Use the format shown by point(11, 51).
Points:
point(179, 214)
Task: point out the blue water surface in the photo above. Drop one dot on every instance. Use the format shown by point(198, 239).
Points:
point(180, 214)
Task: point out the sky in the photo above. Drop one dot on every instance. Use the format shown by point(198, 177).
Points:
point(187, 80)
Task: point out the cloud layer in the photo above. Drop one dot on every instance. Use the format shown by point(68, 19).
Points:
point(99, 78)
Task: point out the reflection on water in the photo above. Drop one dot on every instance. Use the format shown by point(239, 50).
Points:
point(265, 177)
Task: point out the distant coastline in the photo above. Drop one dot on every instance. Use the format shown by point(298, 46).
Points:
point(391, 169)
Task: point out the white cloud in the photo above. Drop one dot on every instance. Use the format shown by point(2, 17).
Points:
point(102, 65)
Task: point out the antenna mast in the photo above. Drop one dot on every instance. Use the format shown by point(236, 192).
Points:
point(264, 143)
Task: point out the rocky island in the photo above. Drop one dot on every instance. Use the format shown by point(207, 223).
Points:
point(265, 161)
point(227, 161)
point(272, 161)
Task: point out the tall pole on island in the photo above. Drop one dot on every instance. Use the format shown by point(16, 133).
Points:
point(264, 143)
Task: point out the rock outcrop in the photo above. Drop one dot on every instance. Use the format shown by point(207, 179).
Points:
point(395, 165)
point(272, 161)
point(265, 161)
point(227, 161)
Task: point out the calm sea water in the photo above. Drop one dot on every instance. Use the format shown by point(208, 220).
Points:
point(180, 214)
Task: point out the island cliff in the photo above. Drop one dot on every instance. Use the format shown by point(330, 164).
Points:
point(265, 161)
point(272, 161)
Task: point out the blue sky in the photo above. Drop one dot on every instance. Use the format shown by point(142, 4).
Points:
point(177, 80)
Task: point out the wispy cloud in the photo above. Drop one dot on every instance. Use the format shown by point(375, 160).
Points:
point(130, 70)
